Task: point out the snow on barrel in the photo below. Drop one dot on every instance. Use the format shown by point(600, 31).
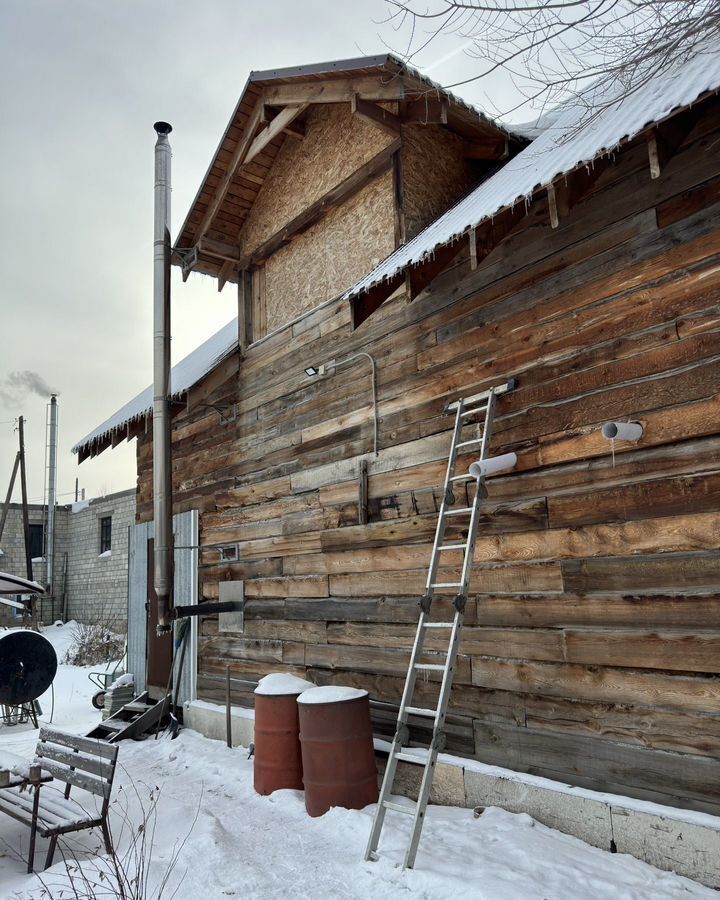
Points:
point(278, 761)
point(338, 756)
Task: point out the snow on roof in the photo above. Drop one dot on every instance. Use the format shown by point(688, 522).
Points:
point(569, 137)
point(184, 375)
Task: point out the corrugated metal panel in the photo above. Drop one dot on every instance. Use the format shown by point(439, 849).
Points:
point(194, 367)
point(570, 137)
point(185, 529)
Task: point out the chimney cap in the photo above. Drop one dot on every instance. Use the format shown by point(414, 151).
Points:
point(162, 127)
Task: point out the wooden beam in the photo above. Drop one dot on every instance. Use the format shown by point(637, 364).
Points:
point(245, 310)
point(259, 312)
point(472, 236)
point(427, 110)
point(665, 140)
point(398, 199)
point(294, 129)
point(654, 155)
point(237, 158)
point(362, 492)
point(334, 197)
point(552, 206)
point(274, 128)
point(364, 305)
point(376, 115)
point(219, 249)
point(487, 149)
point(336, 91)
point(198, 394)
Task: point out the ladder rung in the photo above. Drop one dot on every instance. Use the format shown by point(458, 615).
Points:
point(430, 667)
point(469, 443)
point(398, 807)
point(475, 411)
point(438, 624)
point(452, 546)
point(411, 758)
point(419, 711)
point(462, 511)
point(466, 477)
point(444, 584)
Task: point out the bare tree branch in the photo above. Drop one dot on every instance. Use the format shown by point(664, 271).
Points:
point(551, 50)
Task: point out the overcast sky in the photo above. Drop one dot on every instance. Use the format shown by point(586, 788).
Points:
point(82, 83)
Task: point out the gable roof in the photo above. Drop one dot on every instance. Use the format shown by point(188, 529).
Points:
point(188, 372)
point(568, 138)
point(210, 231)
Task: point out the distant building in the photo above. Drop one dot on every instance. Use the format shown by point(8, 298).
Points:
point(91, 558)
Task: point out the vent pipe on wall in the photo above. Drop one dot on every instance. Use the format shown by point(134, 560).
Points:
point(162, 469)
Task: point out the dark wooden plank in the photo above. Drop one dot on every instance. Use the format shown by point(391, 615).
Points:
point(688, 781)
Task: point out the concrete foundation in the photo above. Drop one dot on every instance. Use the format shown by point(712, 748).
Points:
point(687, 843)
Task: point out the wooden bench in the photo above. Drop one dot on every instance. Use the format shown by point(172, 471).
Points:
point(79, 762)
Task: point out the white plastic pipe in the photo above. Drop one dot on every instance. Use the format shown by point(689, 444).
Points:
point(493, 464)
point(622, 431)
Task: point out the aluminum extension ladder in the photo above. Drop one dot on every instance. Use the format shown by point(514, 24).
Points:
point(465, 410)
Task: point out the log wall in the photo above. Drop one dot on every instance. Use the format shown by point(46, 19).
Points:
point(592, 647)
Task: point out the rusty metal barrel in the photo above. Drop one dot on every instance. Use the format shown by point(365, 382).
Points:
point(338, 756)
point(278, 760)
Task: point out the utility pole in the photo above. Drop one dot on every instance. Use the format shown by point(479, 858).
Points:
point(6, 507)
point(23, 490)
point(26, 521)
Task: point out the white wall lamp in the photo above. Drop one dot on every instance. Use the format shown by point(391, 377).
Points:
point(322, 369)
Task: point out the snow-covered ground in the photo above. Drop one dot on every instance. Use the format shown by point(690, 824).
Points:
point(240, 844)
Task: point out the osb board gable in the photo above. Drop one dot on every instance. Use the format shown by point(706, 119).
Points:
point(332, 255)
point(435, 174)
point(335, 145)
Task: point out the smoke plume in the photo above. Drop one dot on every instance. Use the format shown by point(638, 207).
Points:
point(17, 385)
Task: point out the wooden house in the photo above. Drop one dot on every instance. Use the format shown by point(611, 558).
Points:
point(585, 264)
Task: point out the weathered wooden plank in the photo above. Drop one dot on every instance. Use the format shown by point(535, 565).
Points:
point(690, 781)
point(605, 685)
point(670, 534)
point(683, 611)
point(664, 574)
point(648, 499)
point(376, 659)
point(288, 586)
point(241, 648)
point(680, 650)
point(522, 643)
point(507, 579)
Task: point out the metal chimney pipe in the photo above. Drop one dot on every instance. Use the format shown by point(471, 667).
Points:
point(162, 471)
point(51, 493)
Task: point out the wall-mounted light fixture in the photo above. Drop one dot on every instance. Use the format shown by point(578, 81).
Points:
point(622, 431)
point(322, 369)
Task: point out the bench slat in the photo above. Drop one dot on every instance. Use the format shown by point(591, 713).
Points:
point(79, 779)
point(75, 742)
point(94, 765)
